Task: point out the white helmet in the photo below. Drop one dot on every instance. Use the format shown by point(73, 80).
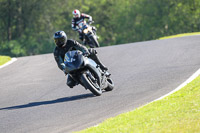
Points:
point(76, 13)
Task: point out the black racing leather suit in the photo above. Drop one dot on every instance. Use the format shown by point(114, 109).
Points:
point(59, 54)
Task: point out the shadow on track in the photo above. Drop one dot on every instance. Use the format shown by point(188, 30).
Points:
point(60, 100)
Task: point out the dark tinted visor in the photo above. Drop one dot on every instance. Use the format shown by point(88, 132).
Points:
point(59, 40)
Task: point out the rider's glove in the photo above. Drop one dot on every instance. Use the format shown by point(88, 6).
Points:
point(63, 68)
point(90, 21)
point(86, 53)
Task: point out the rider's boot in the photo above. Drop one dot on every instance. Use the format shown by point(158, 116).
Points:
point(93, 55)
point(70, 82)
point(102, 66)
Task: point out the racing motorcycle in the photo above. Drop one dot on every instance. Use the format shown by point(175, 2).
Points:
point(89, 34)
point(87, 73)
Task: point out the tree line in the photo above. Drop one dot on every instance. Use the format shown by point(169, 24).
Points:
point(27, 26)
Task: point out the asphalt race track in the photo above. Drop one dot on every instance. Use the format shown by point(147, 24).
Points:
point(34, 97)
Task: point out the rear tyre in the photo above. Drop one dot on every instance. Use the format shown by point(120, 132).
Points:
point(110, 85)
point(90, 84)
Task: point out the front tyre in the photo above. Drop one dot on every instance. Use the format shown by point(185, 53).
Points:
point(90, 84)
point(94, 41)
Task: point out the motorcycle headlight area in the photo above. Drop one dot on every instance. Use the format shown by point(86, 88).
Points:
point(85, 31)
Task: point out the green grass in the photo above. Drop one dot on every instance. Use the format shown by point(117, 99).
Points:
point(4, 59)
point(180, 35)
point(177, 113)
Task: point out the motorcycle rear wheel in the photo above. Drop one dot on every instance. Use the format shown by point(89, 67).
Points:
point(89, 84)
point(110, 85)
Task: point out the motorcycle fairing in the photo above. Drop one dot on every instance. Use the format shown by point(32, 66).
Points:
point(93, 67)
point(73, 60)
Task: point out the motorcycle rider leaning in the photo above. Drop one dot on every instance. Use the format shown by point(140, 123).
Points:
point(79, 18)
point(64, 45)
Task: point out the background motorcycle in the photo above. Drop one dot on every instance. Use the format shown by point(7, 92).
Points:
point(89, 34)
point(86, 72)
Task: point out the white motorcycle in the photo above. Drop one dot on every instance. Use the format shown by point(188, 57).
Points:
point(89, 34)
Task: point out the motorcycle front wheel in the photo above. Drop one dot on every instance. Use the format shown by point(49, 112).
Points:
point(94, 41)
point(88, 81)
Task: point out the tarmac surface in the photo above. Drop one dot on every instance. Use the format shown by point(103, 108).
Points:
point(34, 97)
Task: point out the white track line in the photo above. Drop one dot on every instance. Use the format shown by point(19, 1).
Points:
point(196, 74)
point(8, 63)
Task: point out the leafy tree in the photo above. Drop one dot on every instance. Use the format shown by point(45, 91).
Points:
point(27, 26)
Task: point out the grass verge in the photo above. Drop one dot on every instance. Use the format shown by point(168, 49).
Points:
point(4, 59)
point(177, 113)
point(180, 35)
